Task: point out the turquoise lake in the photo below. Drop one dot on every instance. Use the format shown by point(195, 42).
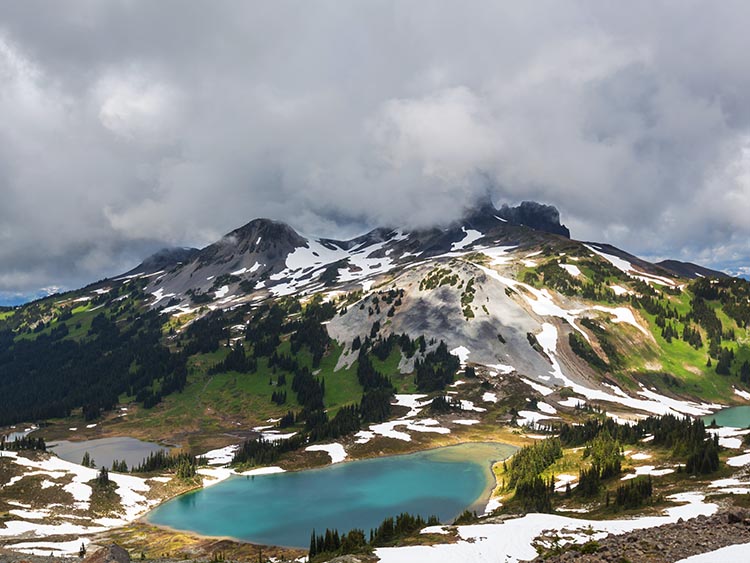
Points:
point(282, 509)
point(736, 417)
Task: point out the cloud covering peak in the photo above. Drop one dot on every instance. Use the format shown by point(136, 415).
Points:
point(130, 125)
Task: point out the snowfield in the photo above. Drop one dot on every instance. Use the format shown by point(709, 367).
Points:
point(512, 540)
point(131, 490)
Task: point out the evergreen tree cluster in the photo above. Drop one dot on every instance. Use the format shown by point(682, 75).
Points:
point(87, 460)
point(634, 493)
point(535, 494)
point(685, 437)
point(66, 374)
point(704, 457)
point(530, 461)
point(585, 351)
point(206, 334)
point(23, 443)
point(264, 452)
point(119, 466)
point(606, 456)
point(331, 543)
point(532, 491)
point(310, 390)
point(309, 331)
point(162, 460)
point(436, 370)
point(443, 404)
point(102, 479)
point(389, 531)
point(237, 361)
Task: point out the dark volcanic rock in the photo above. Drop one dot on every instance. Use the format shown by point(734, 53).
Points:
point(535, 215)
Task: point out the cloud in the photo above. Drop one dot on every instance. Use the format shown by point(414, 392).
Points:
point(127, 126)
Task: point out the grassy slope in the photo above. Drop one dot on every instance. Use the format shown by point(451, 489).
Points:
point(649, 361)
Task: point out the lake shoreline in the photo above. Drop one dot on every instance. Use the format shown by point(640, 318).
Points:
point(446, 454)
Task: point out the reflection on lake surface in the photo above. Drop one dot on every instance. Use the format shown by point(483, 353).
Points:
point(105, 450)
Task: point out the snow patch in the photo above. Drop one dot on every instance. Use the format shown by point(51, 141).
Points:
point(739, 461)
point(469, 237)
point(571, 269)
point(511, 541)
point(221, 456)
point(335, 451)
point(263, 471)
point(622, 315)
point(647, 470)
point(462, 352)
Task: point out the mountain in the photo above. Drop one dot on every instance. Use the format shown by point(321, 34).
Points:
point(690, 270)
point(503, 287)
point(496, 327)
point(164, 259)
point(273, 259)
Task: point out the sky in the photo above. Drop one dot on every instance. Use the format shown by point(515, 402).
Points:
point(127, 126)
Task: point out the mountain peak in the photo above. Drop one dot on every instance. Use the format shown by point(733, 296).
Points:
point(535, 215)
point(538, 216)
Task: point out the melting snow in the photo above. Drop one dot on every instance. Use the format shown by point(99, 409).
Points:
point(647, 470)
point(263, 471)
point(335, 451)
point(470, 236)
point(628, 268)
point(512, 540)
point(622, 315)
point(221, 456)
point(728, 436)
point(619, 290)
point(736, 552)
point(502, 368)
point(653, 402)
point(544, 407)
point(469, 406)
point(462, 353)
point(571, 269)
point(739, 461)
point(571, 402)
point(530, 417)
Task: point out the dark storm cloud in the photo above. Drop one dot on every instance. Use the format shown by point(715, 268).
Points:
point(129, 125)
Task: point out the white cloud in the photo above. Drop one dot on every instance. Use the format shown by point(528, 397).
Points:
point(131, 125)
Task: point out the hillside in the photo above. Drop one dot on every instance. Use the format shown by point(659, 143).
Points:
point(508, 298)
point(267, 342)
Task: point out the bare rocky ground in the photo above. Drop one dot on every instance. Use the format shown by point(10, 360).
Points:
point(664, 544)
